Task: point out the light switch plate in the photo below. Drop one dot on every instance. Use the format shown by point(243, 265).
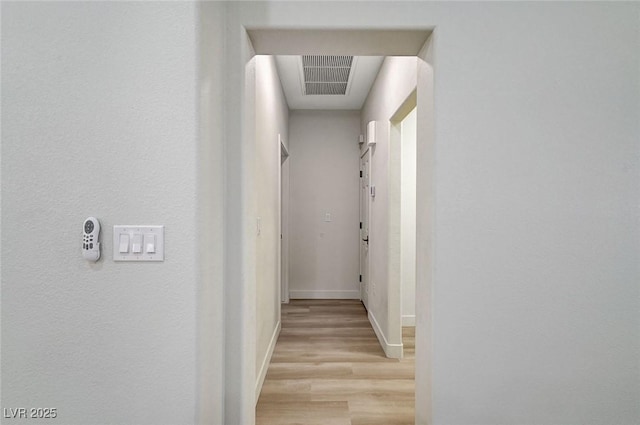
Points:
point(145, 235)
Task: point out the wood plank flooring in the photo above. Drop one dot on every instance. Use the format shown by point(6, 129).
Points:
point(329, 369)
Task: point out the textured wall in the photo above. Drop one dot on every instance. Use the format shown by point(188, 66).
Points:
point(272, 118)
point(98, 118)
point(536, 297)
point(324, 179)
point(393, 85)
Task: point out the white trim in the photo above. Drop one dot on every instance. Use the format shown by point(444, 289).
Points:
point(267, 360)
point(337, 294)
point(393, 351)
point(240, 260)
point(408, 320)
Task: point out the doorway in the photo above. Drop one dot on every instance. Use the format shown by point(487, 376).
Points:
point(408, 220)
point(402, 212)
point(239, 303)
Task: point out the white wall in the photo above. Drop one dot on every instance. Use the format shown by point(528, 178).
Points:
point(535, 294)
point(210, 218)
point(393, 85)
point(99, 117)
point(271, 120)
point(408, 219)
point(536, 284)
point(324, 179)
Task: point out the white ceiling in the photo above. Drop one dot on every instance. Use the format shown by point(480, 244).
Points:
point(364, 72)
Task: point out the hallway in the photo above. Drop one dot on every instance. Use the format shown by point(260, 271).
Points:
point(329, 369)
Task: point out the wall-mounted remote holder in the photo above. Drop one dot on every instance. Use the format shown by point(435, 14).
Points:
point(91, 239)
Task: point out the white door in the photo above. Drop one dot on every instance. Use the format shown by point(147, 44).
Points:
point(365, 172)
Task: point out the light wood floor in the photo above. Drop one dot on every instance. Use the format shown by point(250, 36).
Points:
point(329, 369)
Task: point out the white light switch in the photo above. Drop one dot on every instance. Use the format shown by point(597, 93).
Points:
point(138, 243)
point(123, 247)
point(149, 243)
point(327, 217)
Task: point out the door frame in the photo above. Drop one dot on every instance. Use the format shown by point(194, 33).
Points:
point(364, 273)
point(284, 221)
point(240, 283)
point(395, 214)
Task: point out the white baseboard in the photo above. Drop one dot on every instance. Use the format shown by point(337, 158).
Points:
point(321, 294)
point(393, 351)
point(267, 360)
point(409, 320)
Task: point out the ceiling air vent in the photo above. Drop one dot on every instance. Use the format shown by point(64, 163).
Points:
point(326, 75)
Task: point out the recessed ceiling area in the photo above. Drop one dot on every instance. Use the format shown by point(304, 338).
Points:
point(369, 47)
point(327, 82)
point(398, 42)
